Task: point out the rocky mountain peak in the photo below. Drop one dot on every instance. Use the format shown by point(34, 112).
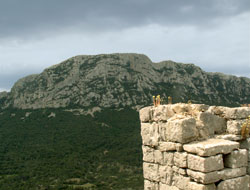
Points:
point(120, 80)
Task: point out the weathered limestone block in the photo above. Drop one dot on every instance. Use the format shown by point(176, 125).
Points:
point(204, 132)
point(158, 157)
point(168, 158)
point(148, 154)
point(159, 113)
point(205, 178)
point(163, 186)
point(248, 168)
point(181, 130)
point(150, 134)
point(239, 183)
point(229, 137)
point(148, 185)
point(180, 159)
point(229, 173)
point(168, 146)
point(199, 107)
point(245, 144)
point(180, 108)
point(212, 177)
point(184, 183)
point(145, 133)
point(166, 174)
point(181, 181)
point(151, 172)
point(191, 109)
point(146, 114)
point(205, 164)
point(198, 186)
point(236, 159)
point(162, 113)
point(163, 131)
point(234, 126)
point(179, 170)
point(237, 113)
point(217, 110)
point(212, 122)
point(211, 147)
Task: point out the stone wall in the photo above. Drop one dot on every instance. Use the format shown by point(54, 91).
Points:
point(194, 147)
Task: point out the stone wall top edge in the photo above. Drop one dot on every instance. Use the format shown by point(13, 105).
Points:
point(188, 104)
point(164, 112)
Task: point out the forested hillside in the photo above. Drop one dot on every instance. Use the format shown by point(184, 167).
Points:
point(70, 151)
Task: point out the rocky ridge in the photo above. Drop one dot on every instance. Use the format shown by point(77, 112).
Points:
point(123, 80)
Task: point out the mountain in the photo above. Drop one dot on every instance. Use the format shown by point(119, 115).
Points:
point(123, 80)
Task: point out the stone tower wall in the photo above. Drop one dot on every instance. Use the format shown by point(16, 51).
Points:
point(194, 147)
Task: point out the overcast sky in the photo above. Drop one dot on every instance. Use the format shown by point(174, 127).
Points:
point(35, 34)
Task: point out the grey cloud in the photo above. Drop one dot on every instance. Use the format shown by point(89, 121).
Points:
point(27, 18)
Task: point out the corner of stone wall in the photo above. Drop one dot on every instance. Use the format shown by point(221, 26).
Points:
point(194, 147)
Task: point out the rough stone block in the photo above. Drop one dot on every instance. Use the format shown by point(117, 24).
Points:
point(229, 173)
point(168, 158)
point(236, 159)
point(148, 154)
point(245, 144)
point(181, 181)
point(204, 132)
point(237, 113)
point(234, 126)
point(158, 157)
point(166, 174)
point(229, 137)
point(146, 114)
point(163, 186)
point(184, 183)
point(217, 110)
point(162, 113)
point(145, 133)
point(205, 164)
point(205, 178)
point(162, 131)
point(148, 185)
point(179, 170)
point(199, 107)
point(180, 108)
point(168, 146)
point(197, 186)
point(212, 122)
point(181, 130)
point(211, 147)
point(212, 177)
point(239, 183)
point(150, 134)
point(151, 172)
point(180, 159)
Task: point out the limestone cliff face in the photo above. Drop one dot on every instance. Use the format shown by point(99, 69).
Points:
point(119, 80)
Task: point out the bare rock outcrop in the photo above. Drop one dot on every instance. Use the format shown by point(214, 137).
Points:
point(123, 80)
